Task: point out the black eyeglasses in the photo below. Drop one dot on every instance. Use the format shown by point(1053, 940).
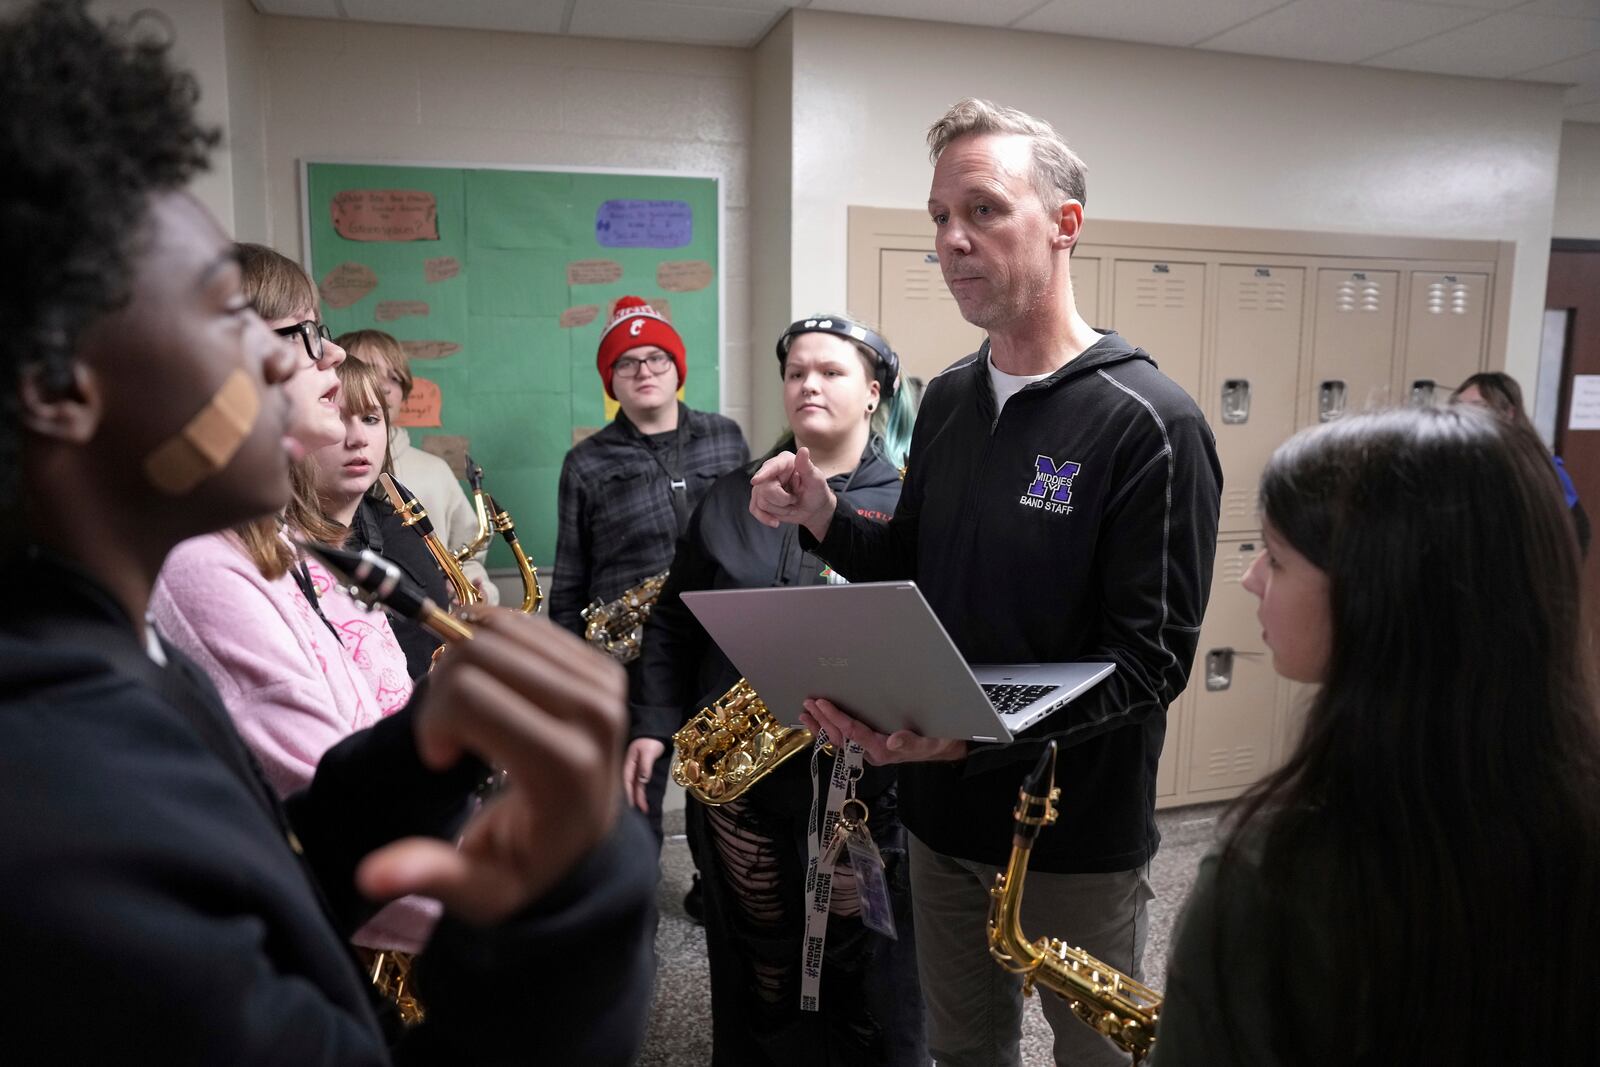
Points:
point(311, 333)
point(628, 366)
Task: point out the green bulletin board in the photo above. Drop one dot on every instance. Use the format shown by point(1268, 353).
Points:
point(498, 282)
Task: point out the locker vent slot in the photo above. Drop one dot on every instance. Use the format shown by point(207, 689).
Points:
point(924, 283)
point(1359, 295)
point(1238, 504)
point(1447, 296)
point(1169, 291)
point(1263, 295)
point(1227, 762)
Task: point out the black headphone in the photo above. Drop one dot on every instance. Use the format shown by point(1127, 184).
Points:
point(886, 367)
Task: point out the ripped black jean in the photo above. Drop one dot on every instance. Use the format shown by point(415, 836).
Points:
point(753, 865)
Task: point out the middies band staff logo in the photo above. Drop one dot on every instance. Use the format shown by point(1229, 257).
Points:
point(1051, 486)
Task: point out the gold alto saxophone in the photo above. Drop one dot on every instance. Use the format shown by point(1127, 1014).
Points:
point(532, 595)
point(1113, 1004)
point(409, 508)
point(731, 745)
point(617, 628)
point(377, 580)
point(482, 507)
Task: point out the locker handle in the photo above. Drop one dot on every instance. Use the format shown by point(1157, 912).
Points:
point(1423, 391)
point(1235, 401)
point(1330, 400)
point(1219, 667)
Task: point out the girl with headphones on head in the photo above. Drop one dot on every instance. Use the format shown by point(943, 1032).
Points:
point(838, 378)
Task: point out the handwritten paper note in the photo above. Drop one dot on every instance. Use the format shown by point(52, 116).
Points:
point(346, 284)
point(683, 275)
point(452, 448)
point(579, 316)
point(1585, 411)
point(424, 406)
point(663, 307)
point(429, 349)
point(385, 215)
point(644, 224)
point(389, 310)
point(440, 268)
point(593, 271)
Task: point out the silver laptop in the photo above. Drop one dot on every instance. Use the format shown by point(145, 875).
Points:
point(877, 651)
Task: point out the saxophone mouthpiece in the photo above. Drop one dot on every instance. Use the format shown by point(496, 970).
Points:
point(1043, 776)
point(406, 504)
point(502, 520)
point(474, 475)
point(378, 581)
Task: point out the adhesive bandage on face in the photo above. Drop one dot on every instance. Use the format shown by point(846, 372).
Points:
point(209, 440)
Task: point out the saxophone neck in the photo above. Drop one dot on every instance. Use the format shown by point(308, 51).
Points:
point(410, 509)
point(532, 594)
point(1035, 809)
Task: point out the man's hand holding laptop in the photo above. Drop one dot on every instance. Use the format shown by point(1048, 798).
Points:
point(902, 746)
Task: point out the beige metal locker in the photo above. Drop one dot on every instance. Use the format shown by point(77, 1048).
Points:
point(920, 317)
point(1353, 351)
point(1233, 691)
point(1444, 333)
point(1086, 287)
point(1252, 408)
point(1160, 307)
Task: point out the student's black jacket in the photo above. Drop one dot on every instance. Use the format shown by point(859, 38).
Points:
point(681, 669)
point(379, 527)
point(1024, 564)
point(153, 906)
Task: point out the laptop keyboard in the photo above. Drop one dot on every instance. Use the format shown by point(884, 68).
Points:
point(1008, 698)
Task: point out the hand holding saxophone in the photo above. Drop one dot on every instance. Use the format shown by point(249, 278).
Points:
point(902, 746)
point(637, 766)
point(790, 488)
point(533, 699)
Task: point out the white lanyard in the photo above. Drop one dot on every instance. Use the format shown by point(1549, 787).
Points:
point(819, 881)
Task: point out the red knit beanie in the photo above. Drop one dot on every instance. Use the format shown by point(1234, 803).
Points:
point(635, 324)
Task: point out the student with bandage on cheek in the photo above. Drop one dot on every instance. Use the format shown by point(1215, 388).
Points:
point(299, 663)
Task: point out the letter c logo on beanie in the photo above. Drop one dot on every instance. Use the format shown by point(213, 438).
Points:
point(636, 327)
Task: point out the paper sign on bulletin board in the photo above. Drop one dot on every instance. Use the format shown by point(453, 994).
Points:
point(1585, 411)
point(498, 283)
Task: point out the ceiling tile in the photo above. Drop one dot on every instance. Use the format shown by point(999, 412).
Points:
point(1481, 5)
point(1572, 9)
point(532, 16)
point(1345, 32)
point(1583, 113)
point(681, 23)
point(1174, 22)
point(989, 13)
point(1497, 47)
point(309, 9)
point(1584, 68)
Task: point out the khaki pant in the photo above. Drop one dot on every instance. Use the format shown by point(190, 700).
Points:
point(975, 1007)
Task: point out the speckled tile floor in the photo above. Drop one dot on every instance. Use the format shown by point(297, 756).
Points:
point(680, 1032)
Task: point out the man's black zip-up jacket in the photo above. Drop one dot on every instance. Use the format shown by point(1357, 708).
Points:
point(1079, 523)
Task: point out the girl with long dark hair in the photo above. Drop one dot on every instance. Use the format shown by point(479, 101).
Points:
point(1417, 883)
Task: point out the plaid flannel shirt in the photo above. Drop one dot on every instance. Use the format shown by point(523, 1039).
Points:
point(616, 524)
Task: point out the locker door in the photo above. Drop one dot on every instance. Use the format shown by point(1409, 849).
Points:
point(920, 317)
point(1086, 287)
point(1444, 333)
point(1258, 362)
point(1353, 348)
point(1233, 691)
point(1160, 306)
